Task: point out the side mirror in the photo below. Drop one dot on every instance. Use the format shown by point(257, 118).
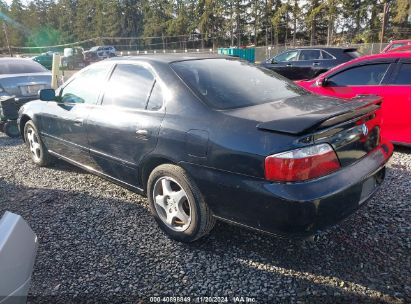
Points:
point(47, 95)
point(273, 61)
point(321, 82)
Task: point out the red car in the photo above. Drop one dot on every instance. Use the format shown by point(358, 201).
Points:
point(396, 44)
point(405, 48)
point(387, 75)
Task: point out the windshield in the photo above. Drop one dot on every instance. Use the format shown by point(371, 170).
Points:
point(230, 83)
point(14, 66)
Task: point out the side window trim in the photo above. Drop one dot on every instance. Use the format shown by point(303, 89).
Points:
point(322, 58)
point(149, 93)
point(156, 82)
point(394, 74)
point(103, 91)
point(391, 74)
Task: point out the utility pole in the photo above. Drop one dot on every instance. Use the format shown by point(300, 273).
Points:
point(384, 21)
point(7, 39)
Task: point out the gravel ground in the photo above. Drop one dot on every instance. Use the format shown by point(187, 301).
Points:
point(99, 243)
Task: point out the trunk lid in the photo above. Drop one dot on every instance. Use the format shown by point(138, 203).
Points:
point(352, 127)
point(25, 85)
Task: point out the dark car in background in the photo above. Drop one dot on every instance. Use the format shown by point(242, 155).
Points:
point(254, 149)
point(307, 63)
point(45, 59)
point(20, 81)
point(22, 78)
point(98, 53)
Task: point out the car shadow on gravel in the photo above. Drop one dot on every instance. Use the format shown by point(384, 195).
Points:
point(9, 142)
point(96, 246)
point(402, 149)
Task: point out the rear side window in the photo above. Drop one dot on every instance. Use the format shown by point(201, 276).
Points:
point(359, 76)
point(229, 83)
point(23, 66)
point(129, 86)
point(327, 55)
point(404, 75)
point(310, 54)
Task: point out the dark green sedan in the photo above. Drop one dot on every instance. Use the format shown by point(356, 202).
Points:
point(45, 59)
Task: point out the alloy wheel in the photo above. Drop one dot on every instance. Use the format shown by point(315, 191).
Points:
point(172, 204)
point(34, 144)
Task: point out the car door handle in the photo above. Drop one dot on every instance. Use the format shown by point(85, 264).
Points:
point(78, 122)
point(289, 64)
point(142, 134)
point(316, 63)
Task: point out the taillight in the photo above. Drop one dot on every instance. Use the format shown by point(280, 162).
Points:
point(301, 164)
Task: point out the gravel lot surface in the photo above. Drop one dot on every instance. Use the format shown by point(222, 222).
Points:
point(99, 243)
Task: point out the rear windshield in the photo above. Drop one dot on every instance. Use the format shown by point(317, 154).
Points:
point(13, 66)
point(230, 83)
point(397, 45)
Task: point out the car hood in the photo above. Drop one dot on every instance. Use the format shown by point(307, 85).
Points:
point(300, 114)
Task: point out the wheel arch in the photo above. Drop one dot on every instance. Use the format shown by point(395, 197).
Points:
point(149, 165)
point(23, 120)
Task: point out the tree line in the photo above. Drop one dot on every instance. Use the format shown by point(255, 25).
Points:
point(159, 24)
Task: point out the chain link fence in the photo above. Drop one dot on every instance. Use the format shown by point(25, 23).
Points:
point(177, 44)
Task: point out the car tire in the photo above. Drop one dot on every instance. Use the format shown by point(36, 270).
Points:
point(38, 150)
point(177, 204)
point(11, 129)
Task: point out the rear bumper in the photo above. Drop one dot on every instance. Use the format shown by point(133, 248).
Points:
point(298, 209)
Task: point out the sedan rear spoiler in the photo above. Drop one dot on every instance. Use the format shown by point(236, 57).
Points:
point(356, 107)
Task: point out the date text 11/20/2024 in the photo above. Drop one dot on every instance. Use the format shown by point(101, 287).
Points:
point(174, 299)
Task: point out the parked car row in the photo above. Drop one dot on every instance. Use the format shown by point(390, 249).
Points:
point(76, 57)
point(309, 62)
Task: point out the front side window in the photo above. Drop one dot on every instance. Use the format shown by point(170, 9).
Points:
point(365, 75)
point(230, 83)
point(310, 54)
point(404, 75)
point(287, 56)
point(129, 86)
point(86, 87)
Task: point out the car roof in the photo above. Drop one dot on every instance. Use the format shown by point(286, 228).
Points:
point(14, 59)
point(405, 48)
point(382, 55)
point(321, 48)
point(399, 41)
point(168, 58)
point(367, 58)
